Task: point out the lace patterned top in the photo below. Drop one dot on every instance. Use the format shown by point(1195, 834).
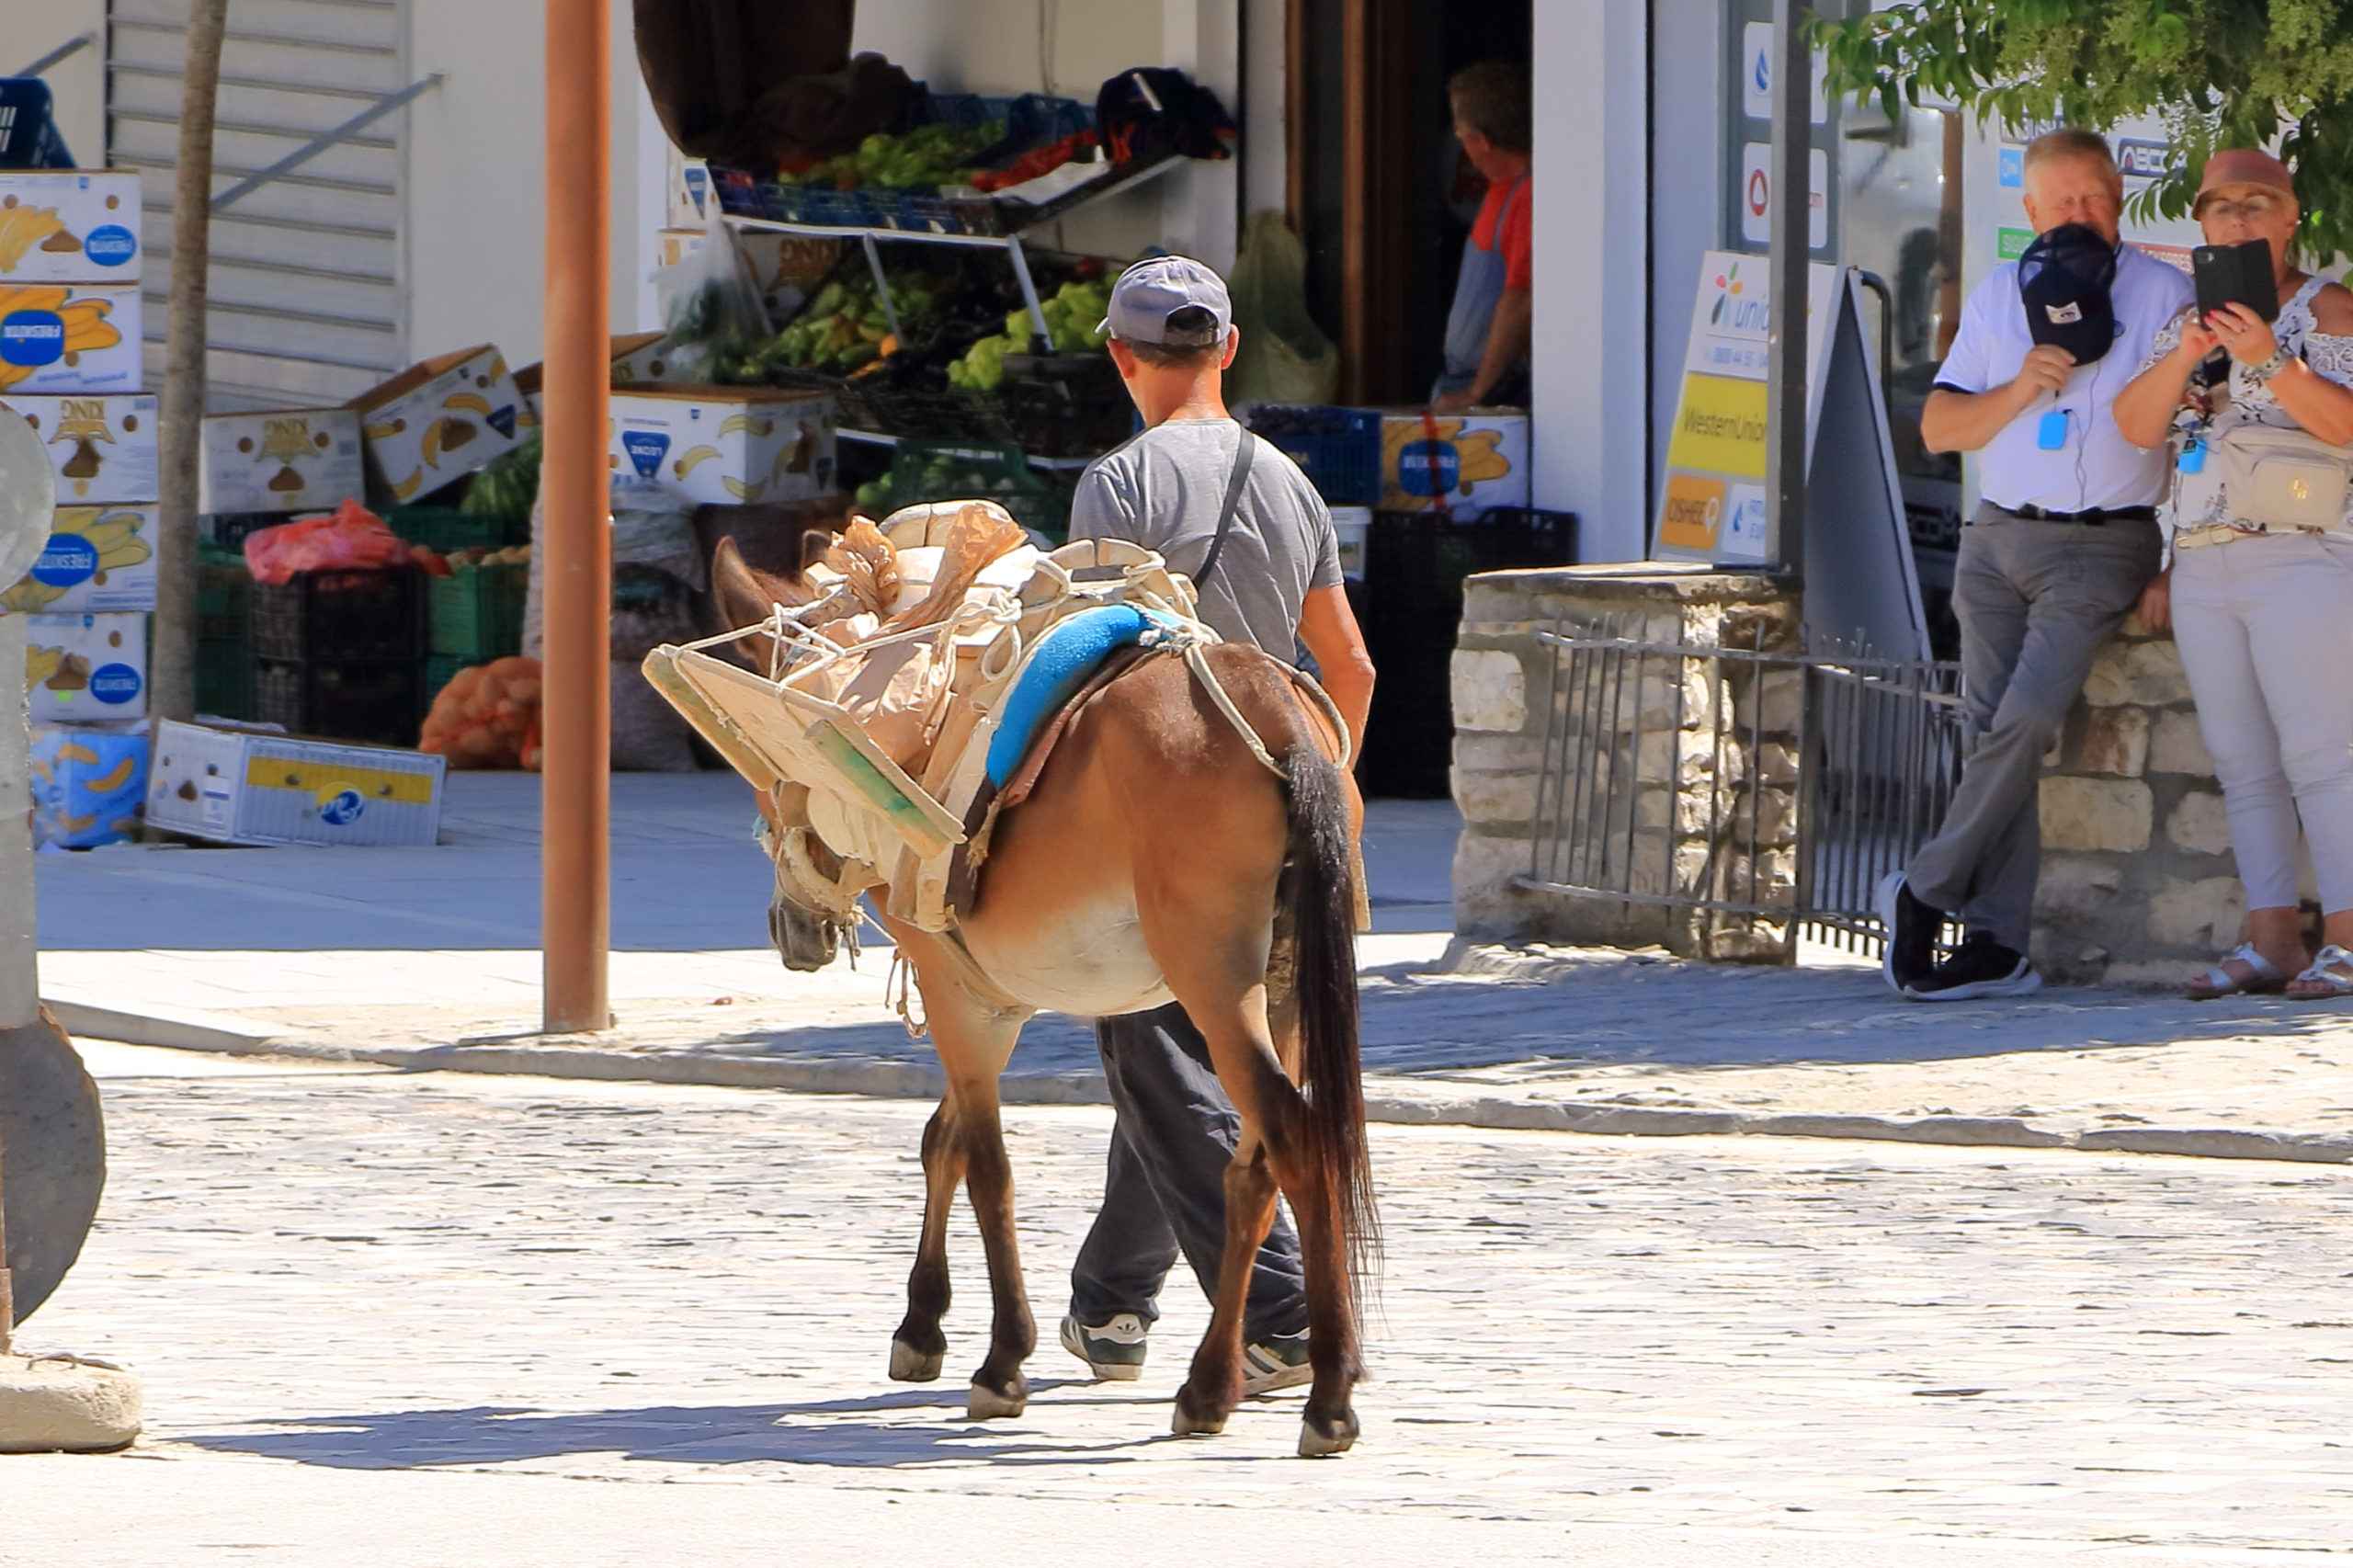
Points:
point(2249, 403)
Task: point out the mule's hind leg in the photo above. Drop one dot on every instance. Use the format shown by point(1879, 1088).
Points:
point(1214, 1387)
point(919, 1347)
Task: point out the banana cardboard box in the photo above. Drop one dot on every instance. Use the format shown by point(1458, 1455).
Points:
point(99, 559)
point(242, 787)
point(787, 268)
point(90, 784)
point(69, 226)
point(289, 459)
point(69, 337)
point(725, 446)
point(438, 421)
point(83, 669)
point(1470, 462)
point(103, 447)
point(637, 357)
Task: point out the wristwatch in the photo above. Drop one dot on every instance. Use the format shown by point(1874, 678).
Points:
point(2259, 374)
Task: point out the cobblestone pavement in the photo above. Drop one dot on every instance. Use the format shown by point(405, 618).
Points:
point(361, 1271)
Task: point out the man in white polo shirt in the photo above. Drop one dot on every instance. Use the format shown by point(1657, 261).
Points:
point(2057, 555)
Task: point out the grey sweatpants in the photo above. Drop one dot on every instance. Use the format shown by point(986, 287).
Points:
point(2037, 601)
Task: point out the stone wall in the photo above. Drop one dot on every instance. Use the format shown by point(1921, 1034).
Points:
point(2139, 886)
point(1688, 738)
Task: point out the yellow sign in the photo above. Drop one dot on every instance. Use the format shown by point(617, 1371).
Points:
point(324, 781)
point(1720, 427)
point(1694, 507)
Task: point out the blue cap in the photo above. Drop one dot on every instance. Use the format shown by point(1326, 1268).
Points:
point(1151, 290)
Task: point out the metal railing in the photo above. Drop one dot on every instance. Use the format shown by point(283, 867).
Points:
point(323, 141)
point(1763, 792)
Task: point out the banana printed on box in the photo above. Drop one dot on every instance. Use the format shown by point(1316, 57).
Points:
point(725, 446)
point(102, 447)
point(69, 337)
point(69, 226)
point(286, 460)
point(99, 559)
point(90, 784)
point(86, 668)
point(438, 421)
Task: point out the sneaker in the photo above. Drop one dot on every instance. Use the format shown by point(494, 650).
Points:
point(1114, 1350)
point(1979, 967)
point(1278, 1361)
point(1912, 926)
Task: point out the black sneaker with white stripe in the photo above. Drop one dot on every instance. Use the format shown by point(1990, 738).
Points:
point(1980, 967)
point(1912, 927)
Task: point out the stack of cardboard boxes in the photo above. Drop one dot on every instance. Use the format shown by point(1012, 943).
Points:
point(70, 341)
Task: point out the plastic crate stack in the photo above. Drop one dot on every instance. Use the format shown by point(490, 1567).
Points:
point(340, 654)
point(474, 615)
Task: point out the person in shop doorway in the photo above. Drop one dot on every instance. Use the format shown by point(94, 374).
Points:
point(2056, 556)
point(1239, 517)
point(1487, 331)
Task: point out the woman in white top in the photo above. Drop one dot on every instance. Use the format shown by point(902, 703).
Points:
point(2263, 615)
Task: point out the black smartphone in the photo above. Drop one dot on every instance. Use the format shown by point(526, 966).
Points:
point(2236, 275)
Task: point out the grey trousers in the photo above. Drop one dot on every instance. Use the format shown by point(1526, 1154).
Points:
point(2037, 601)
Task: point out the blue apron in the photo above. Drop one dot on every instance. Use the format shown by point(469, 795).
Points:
point(1477, 290)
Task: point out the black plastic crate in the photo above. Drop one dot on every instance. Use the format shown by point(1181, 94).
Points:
point(378, 702)
point(342, 613)
point(1411, 609)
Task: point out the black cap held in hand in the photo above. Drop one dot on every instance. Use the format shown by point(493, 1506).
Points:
point(2063, 279)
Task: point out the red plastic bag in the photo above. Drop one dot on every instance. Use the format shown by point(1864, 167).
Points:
point(349, 536)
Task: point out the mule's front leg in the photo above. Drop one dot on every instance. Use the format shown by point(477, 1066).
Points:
point(919, 1347)
point(999, 1388)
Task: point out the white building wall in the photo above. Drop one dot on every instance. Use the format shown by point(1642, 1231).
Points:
point(1591, 365)
point(31, 29)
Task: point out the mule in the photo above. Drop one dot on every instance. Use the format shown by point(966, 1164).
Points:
point(1154, 858)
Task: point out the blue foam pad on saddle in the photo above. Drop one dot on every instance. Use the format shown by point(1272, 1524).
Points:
point(1065, 657)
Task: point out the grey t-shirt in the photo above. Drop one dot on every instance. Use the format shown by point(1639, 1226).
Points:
point(1162, 491)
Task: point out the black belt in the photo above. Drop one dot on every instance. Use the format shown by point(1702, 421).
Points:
point(2095, 516)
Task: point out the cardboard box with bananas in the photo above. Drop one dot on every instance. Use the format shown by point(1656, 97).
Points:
point(725, 446)
point(437, 421)
point(103, 447)
point(637, 357)
point(241, 787)
point(69, 226)
point(99, 559)
point(86, 668)
point(69, 337)
point(786, 268)
point(290, 460)
point(1466, 462)
point(90, 784)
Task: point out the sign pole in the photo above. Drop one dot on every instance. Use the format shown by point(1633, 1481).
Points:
point(1786, 339)
point(575, 726)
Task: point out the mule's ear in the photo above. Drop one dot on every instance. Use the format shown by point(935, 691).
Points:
point(815, 542)
point(737, 591)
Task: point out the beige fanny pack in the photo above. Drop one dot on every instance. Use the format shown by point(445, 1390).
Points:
point(2271, 479)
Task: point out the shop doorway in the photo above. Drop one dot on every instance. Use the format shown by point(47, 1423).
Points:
point(1379, 188)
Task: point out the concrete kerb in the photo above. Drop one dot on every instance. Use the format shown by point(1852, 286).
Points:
point(1409, 1101)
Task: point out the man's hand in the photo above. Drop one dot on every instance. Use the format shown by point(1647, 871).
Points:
point(2155, 608)
point(1454, 402)
point(2046, 369)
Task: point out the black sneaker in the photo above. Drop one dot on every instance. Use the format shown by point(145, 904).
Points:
point(1912, 927)
point(1979, 967)
point(1114, 1349)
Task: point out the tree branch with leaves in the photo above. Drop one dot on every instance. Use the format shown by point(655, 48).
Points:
point(2215, 73)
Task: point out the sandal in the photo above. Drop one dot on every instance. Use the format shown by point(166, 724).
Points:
point(2266, 981)
point(2331, 967)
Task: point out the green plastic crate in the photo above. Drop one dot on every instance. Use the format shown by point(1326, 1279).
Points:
point(445, 529)
point(440, 670)
point(475, 614)
point(224, 653)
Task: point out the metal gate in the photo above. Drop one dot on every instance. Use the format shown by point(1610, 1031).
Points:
point(1748, 794)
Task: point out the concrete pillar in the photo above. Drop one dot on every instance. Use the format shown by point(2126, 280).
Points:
point(19, 975)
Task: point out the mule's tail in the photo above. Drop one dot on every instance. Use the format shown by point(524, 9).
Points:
point(1320, 895)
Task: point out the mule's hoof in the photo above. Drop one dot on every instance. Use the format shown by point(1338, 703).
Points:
point(1192, 1422)
point(909, 1365)
point(1319, 1439)
point(985, 1403)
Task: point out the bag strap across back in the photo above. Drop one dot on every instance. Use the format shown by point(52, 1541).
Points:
point(1245, 453)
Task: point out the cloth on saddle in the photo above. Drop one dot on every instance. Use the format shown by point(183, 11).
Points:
point(1065, 660)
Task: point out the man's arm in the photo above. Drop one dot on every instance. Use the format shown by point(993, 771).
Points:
point(1328, 627)
point(1508, 336)
point(1964, 421)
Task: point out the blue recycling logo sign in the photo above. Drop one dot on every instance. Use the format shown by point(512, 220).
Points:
point(1428, 468)
point(645, 450)
point(115, 683)
point(341, 807)
point(110, 244)
point(67, 560)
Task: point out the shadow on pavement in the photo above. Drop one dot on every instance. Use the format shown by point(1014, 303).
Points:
point(933, 1431)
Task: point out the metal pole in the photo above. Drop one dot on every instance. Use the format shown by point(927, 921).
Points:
point(1785, 340)
point(575, 724)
